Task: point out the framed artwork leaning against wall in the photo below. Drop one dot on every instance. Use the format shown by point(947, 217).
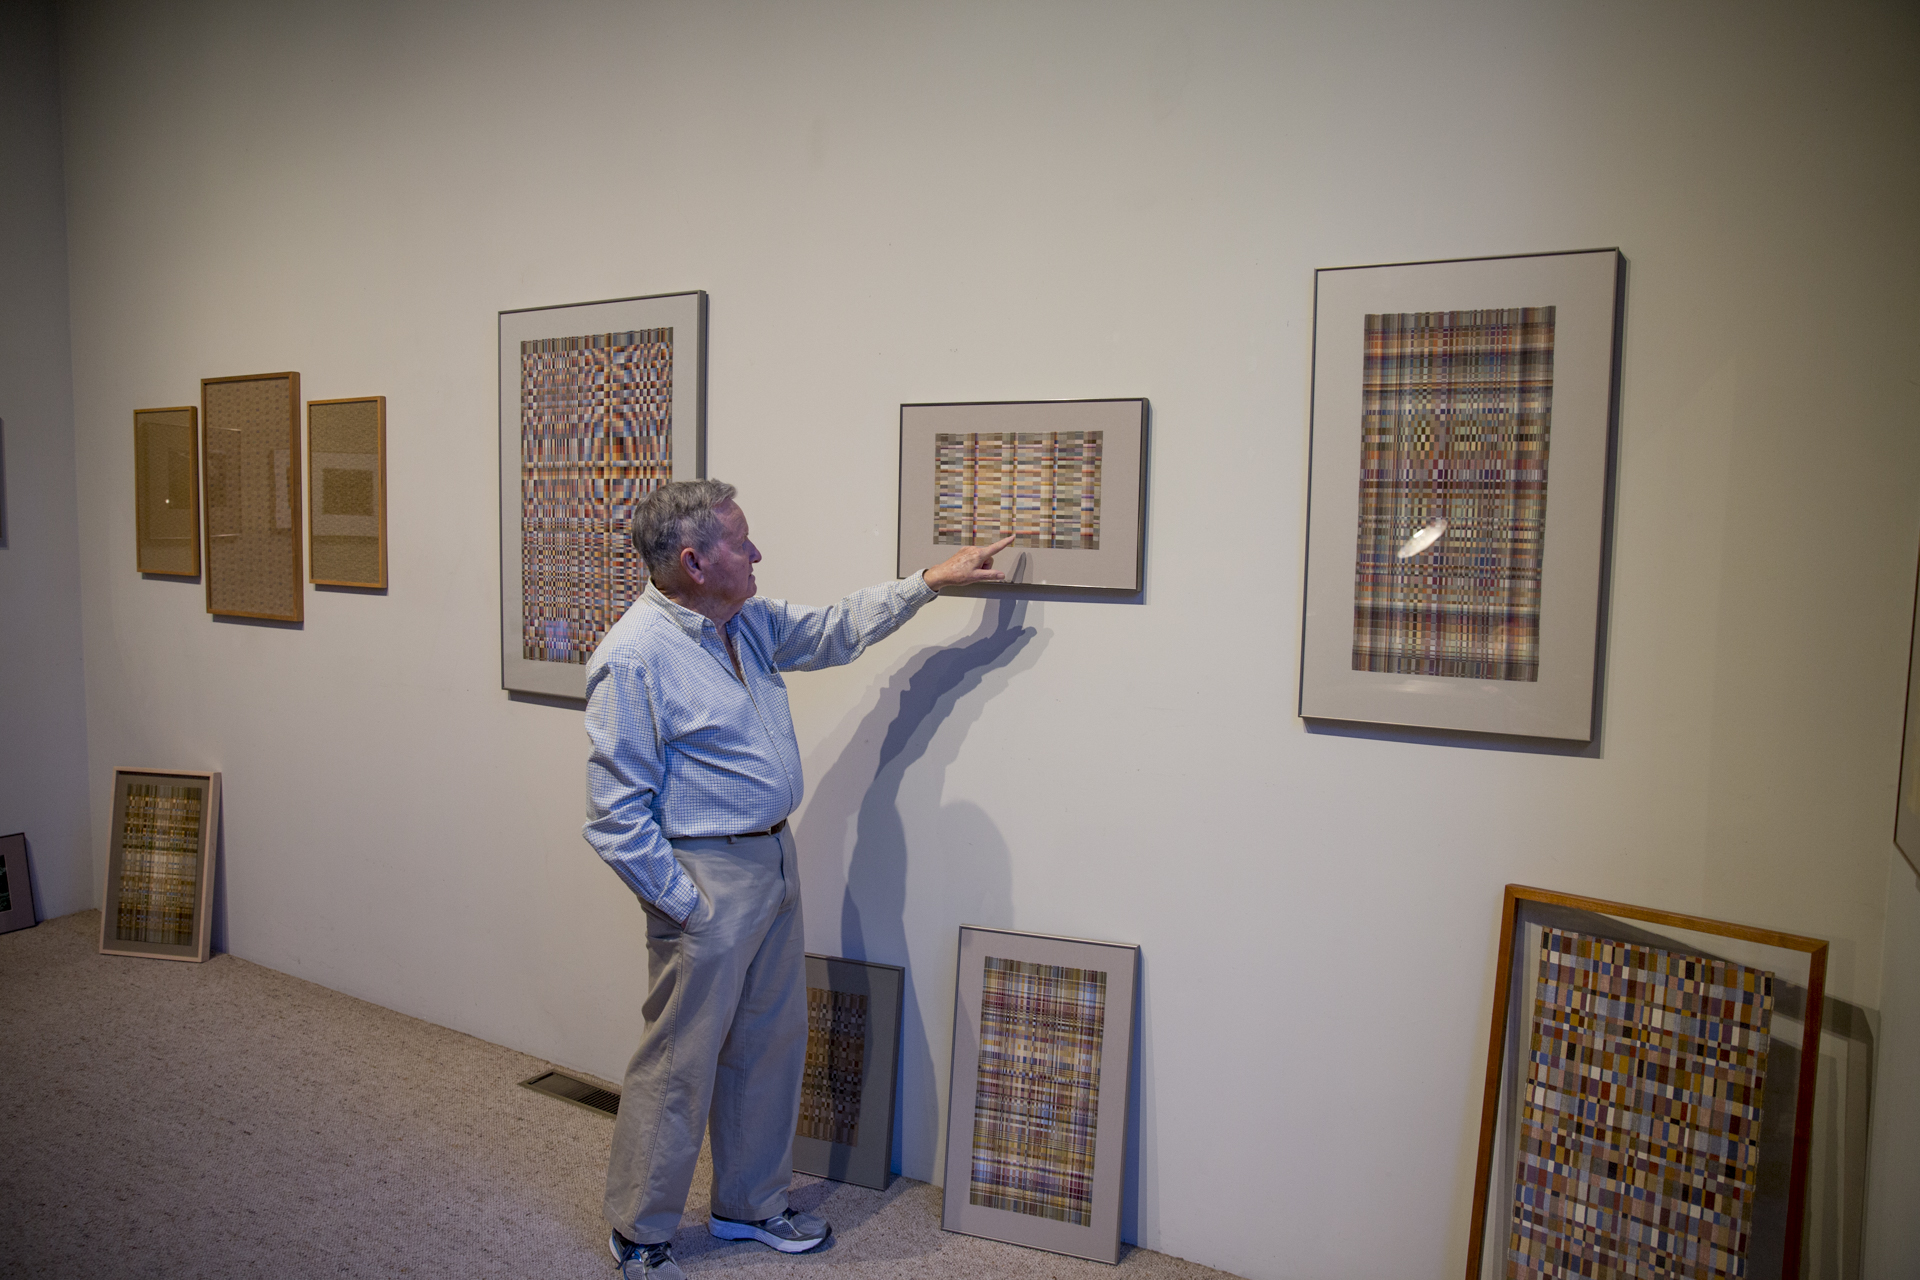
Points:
point(159, 899)
point(16, 884)
point(847, 1096)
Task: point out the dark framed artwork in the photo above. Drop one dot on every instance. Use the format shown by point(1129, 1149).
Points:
point(847, 1096)
point(250, 448)
point(160, 856)
point(166, 490)
point(16, 884)
point(1906, 819)
point(347, 492)
point(1462, 440)
point(1066, 478)
point(1037, 1107)
point(1649, 1100)
point(600, 403)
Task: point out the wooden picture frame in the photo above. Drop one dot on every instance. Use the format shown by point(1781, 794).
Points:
point(1042, 1076)
point(160, 864)
point(849, 1092)
point(347, 492)
point(250, 457)
point(1612, 1022)
point(166, 491)
point(16, 884)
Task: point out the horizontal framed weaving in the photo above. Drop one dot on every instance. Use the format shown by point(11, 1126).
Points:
point(600, 403)
point(1649, 1101)
point(347, 492)
point(847, 1099)
point(16, 884)
point(166, 490)
point(1037, 1107)
point(159, 899)
point(250, 452)
point(1462, 440)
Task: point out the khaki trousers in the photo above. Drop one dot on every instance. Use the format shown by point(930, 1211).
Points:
point(724, 1047)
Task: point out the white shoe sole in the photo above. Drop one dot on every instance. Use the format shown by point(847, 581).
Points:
point(726, 1230)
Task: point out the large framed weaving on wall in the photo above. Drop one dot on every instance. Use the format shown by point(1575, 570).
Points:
point(1649, 1099)
point(166, 491)
point(600, 403)
point(159, 899)
point(847, 1099)
point(1037, 1107)
point(347, 498)
point(250, 451)
point(1462, 441)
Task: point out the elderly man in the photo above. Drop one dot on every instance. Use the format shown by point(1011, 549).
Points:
point(693, 773)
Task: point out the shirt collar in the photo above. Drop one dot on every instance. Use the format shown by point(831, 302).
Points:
point(694, 624)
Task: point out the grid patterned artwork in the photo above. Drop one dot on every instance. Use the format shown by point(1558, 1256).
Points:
point(1037, 1092)
point(160, 869)
point(836, 1062)
point(6, 894)
point(1640, 1118)
point(596, 435)
point(346, 472)
point(166, 491)
point(251, 442)
point(1043, 487)
point(1455, 411)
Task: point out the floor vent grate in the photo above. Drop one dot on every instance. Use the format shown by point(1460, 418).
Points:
point(556, 1084)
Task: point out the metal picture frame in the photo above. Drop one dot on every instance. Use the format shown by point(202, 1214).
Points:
point(250, 455)
point(160, 864)
point(347, 492)
point(166, 491)
point(16, 884)
point(849, 1093)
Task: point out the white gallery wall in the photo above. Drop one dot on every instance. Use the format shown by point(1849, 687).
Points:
point(896, 202)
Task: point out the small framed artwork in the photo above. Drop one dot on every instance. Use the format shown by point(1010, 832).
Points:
point(347, 492)
point(1042, 1075)
point(1906, 820)
point(1462, 436)
point(16, 884)
point(1649, 1098)
point(600, 403)
point(166, 490)
point(159, 898)
point(250, 449)
point(1067, 479)
point(853, 1053)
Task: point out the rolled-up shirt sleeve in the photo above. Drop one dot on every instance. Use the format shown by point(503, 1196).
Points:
point(624, 775)
point(809, 639)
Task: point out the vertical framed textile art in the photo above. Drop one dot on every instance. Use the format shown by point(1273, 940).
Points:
point(1649, 1099)
point(1037, 1106)
point(159, 899)
point(1462, 436)
point(16, 884)
point(347, 492)
point(250, 454)
point(1906, 821)
point(1066, 478)
point(853, 1053)
point(166, 490)
point(600, 403)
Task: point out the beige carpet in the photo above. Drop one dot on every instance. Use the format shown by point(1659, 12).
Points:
point(217, 1120)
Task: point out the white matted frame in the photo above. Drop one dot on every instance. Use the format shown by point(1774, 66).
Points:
point(1584, 289)
point(1041, 1080)
point(160, 864)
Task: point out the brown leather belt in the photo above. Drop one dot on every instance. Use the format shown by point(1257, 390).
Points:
point(773, 830)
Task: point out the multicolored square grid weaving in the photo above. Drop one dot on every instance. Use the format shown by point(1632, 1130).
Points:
point(160, 864)
point(836, 1065)
point(1639, 1132)
point(1043, 487)
point(1455, 409)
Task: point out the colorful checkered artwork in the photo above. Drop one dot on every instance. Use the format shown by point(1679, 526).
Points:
point(1038, 1089)
point(1043, 487)
point(836, 1057)
point(1455, 410)
point(1640, 1118)
point(596, 435)
point(160, 864)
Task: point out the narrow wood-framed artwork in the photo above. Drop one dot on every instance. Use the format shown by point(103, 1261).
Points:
point(1906, 819)
point(1648, 1107)
point(16, 884)
point(600, 403)
point(159, 899)
point(1462, 427)
point(1066, 478)
point(1041, 1078)
point(250, 446)
point(847, 1097)
point(166, 490)
point(347, 492)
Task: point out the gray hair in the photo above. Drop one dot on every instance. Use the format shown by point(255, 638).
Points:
point(678, 514)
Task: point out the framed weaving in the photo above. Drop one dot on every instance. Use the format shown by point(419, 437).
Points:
point(600, 403)
point(166, 490)
point(1042, 1076)
point(1462, 440)
point(1649, 1099)
point(1066, 478)
point(853, 1054)
point(16, 884)
point(250, 454)
point(159, 899)
point(347, 492)
point(1906, 821)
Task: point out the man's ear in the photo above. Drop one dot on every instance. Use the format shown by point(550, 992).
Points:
point(690, 566)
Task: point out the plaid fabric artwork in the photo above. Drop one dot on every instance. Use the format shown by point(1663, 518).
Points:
point(1043, 487)
point(836, 1061)
point(159, 864)
point(596, 434)
point(1640, 1121)
point(1455, 409)
point(1038, 1090)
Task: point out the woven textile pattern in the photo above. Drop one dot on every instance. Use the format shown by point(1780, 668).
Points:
point(1043, 487)
point(343, 440)
point(1455, 409)
point(160, 864)
point(596, 436)
point(1640, 1124)
point(836, 1061)
point(163, 472)
point(1038, 1090)
point(253, 548)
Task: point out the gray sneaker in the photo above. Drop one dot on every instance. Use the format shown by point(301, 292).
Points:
point(644, 1261)
point(789, 1232)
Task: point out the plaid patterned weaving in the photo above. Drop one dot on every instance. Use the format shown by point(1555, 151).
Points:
point(1043, 487)
point(836, 1066)
point(159, 864)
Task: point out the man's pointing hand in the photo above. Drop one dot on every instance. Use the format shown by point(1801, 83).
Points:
point(969, 565)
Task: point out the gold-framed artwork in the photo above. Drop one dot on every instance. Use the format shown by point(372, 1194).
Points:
point(347, 492)
point(166, 490)
point(250, 451)
point(159, 899)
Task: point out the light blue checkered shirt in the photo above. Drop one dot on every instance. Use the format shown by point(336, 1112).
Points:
point(681, 747)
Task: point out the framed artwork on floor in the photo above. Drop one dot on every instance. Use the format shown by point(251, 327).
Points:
point(159, 899)
point(1066, 478)
point(853, 1053)
point(250, 451)
point(1906, 820)
point(1649, 1098)
point(600, 403)
point(166, 490)
point(347, 492)
point(1042, 1075)
point(1462, 441)
point(16, 884)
